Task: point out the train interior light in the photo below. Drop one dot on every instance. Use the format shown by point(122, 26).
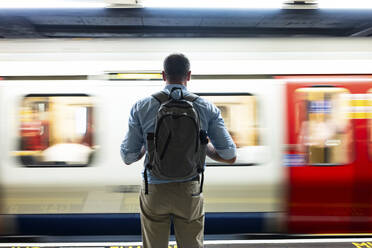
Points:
point(134, 76)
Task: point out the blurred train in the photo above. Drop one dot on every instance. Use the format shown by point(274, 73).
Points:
point(299, 111)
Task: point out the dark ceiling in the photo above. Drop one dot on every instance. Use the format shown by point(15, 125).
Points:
point(94, 23)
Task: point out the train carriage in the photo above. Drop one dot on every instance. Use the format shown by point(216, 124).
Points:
point(301, 127)
point(329, 132)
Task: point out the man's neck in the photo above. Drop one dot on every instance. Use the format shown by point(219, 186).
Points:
point(181, 83)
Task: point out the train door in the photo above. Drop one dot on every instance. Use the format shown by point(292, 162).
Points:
point(327, 156)
point(248, 191)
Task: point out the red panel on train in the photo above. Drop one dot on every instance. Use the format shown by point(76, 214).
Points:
point(329, 166)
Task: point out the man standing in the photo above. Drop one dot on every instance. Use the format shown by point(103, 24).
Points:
point(180, 201)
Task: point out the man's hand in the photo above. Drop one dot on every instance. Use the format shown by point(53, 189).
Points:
point(212, 153)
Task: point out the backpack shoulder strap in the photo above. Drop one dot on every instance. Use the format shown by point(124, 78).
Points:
point(191, 97)
point(161, 96)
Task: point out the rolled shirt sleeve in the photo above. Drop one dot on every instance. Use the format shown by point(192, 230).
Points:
point(219, 136)
point(130, 148)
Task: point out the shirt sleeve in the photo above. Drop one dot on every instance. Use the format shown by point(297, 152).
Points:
point(219, 135)
point(130, 148)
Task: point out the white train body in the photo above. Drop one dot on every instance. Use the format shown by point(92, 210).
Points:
point(222, 66)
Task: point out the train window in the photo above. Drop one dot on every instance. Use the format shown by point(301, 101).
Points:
point(56, 130)
point(323, 127)
point(239, 112)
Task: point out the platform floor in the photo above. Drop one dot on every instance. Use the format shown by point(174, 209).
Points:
point(291, 242)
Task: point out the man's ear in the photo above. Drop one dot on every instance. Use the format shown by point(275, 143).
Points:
point(189, 76)
point(164, 75)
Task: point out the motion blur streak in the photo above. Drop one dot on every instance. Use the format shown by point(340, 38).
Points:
point(301, 124)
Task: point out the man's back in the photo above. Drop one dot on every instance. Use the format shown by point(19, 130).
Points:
point(143, 119)
point(179, 201)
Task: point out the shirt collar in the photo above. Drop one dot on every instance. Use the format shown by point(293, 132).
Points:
point(169, 87)
point(177, 94)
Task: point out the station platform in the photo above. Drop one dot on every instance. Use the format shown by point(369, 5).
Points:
point(219, 241)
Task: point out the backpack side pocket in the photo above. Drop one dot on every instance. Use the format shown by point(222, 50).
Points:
point(150, 153)
point(150, 148)
point(203, 147)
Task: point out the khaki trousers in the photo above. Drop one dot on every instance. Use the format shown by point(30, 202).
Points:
point(180, 202)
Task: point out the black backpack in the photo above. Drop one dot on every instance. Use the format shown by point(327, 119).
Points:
point(177, 149)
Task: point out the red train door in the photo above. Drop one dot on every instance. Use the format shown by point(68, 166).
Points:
point(328, 155)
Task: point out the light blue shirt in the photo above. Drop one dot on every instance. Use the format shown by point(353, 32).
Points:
point(142, 120)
